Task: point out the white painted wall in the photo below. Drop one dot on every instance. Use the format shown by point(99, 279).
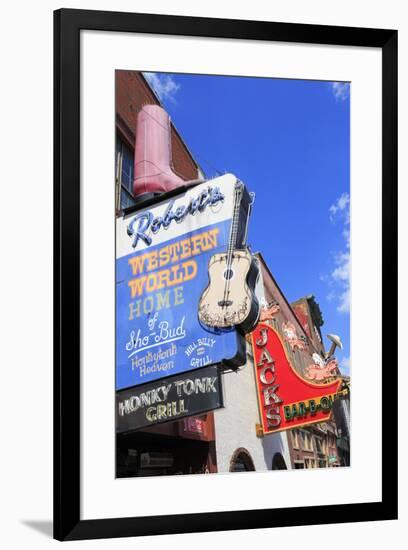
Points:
point(235, 424)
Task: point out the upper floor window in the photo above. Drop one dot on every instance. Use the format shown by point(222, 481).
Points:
point(125, 160)
point(306, 440)
point(309, 442)
point(319, 445)
point(124, 174)
point(295, 439)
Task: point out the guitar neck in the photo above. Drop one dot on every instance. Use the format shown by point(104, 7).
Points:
point(235, 219)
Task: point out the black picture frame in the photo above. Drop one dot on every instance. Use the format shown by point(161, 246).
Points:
point(67, 26)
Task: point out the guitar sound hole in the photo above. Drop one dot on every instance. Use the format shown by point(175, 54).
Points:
point(228, 274)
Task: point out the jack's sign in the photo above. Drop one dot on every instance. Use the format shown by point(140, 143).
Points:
point(286, 400)
point(162, 256)
point(170, 398)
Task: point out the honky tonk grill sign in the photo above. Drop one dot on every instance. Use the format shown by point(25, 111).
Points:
point(168, 399)
point(286, 400)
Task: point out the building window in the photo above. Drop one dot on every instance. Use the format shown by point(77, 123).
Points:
point(278, 462)
point(307, 441)
point(295, 439)
point(319, 445)
point(126, 199)
point(124, 175)
point(299, 465)
point(310, 463)
point(125, 159)
point(241, 461)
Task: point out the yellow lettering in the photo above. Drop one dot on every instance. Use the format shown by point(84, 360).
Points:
point(137, 264)
point(197, 242)
point(177, 279)
point(185, 249)
point(149, 261)
point(212, 238)
point(190, 264)
point(151, 282)
point(164, 256)
point(173, 249)
point(152, 261)
point(136, 286)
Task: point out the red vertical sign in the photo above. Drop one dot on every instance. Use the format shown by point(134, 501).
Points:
point(286, 400)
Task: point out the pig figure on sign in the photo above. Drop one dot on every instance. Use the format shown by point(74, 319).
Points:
point(289, 331)
point(320, 370)
point(268, 310)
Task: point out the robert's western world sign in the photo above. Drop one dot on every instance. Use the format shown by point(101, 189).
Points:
point(170, 398)
point(162, 256)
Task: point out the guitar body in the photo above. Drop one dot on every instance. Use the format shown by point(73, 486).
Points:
point(229, 299)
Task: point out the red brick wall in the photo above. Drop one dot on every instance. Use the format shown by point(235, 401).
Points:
point(302, 312)
point(132, 92)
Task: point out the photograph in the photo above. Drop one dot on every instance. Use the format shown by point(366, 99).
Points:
point(232, 274)
point(210, 338)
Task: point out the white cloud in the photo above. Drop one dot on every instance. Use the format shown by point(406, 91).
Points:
point(344, 302)
point(341, 90)
point(345, 365)
point(339, 278)
point(164, 85)
point(341, 206)
point(346, 235)
point(342, 272)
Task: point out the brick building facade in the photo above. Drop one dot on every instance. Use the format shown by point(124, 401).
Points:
point(132, 92)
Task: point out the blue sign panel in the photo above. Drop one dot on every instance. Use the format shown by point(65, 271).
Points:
point(160, 276)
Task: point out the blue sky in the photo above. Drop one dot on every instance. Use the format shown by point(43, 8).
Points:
point(288, 140)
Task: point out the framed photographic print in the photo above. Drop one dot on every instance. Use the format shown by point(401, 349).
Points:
point(225, 274)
